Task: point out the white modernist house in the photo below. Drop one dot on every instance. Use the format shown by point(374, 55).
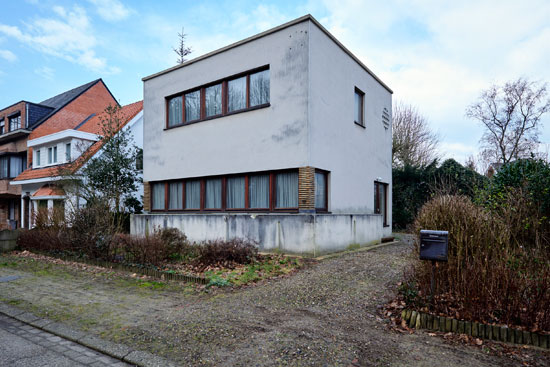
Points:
point(283, 137)
point(70, 148)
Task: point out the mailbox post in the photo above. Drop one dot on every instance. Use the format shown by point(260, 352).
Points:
point(434, 246)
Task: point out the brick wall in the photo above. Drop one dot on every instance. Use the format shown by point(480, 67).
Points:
point(306, 189)
point(4, 213)
point(18, 107)
point(146, 196)
point(94, 100)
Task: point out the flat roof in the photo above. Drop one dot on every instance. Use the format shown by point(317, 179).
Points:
point(304, 18)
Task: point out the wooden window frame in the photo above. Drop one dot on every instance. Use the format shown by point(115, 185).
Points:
point(274, 181)
point(224, 110)
point(377, 185)
point(324, 173)
point(362, 114)
point(203, 209)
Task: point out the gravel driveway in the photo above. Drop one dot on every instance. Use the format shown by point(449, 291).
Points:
point(325, 315)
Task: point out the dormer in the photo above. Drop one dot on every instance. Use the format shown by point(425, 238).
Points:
point(60, 148)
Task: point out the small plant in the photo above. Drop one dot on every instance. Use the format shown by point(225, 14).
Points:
point(217, 281)
point(409, 292)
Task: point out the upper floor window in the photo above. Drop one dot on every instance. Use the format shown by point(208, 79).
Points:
point(236, 94)
point(359, 109)
point(2, 126)
point(213, 100)
point(175, 111)
point(52, 155)
point(12, 165)
point(259, 88)
point(67, 152)
point(15, 122)
point(38, 159)
point(230, 95)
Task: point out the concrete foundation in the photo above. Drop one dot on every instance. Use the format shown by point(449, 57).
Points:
point(8, 240)
point(308, 234)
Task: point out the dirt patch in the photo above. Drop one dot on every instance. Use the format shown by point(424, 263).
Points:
point(325, 314)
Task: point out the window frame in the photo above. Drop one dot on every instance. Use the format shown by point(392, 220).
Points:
point(377, 185)
point(224, 97)
point(16, 115)
point(324, 173)
point(68, 151)
point(7, 158)
point(203, 209)
point(2, 126)
point(361, 94)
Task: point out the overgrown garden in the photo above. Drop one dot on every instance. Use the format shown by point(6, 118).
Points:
point(499, 251)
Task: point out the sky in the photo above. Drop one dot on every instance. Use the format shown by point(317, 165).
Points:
point(435, 55)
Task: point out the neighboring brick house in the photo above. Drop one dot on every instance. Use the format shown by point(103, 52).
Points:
point(283, 137)
point(67, 151)
point(26, 120)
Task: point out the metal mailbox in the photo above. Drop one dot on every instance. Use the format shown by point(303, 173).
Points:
point(434, 245)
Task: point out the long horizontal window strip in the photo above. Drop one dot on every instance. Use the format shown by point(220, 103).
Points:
point(250, 90)
point(264, 192)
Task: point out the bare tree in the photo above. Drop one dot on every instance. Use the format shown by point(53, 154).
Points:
point(511, 114)
point(471, 162)
point(413, 141)
point(182, 50)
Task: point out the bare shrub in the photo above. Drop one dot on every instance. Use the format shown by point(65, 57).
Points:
point(139, 249)
point(491, 276)
point(226, 253)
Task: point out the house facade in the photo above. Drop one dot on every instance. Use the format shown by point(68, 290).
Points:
point(65, 152)
point(283, 137)
point(26, 120)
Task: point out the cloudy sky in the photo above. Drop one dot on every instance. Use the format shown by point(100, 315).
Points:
point(436, 55)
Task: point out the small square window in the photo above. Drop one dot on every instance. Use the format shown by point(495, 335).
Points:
point(359, 109)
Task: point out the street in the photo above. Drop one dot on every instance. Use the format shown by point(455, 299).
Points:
point(22, 345)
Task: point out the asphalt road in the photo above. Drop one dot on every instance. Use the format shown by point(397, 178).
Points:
point(22, 345)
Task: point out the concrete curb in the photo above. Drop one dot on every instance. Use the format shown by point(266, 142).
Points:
point(114, 350)
point(366, 248)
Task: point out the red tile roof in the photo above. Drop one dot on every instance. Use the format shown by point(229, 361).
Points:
point(49, 190)
point(93, 125)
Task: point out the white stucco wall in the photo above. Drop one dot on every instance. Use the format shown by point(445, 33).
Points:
point(309, 234)
point(354, 155)
point(269, 138)
point(310, 121)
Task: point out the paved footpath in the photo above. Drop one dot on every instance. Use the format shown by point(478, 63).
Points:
point(22, 345)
